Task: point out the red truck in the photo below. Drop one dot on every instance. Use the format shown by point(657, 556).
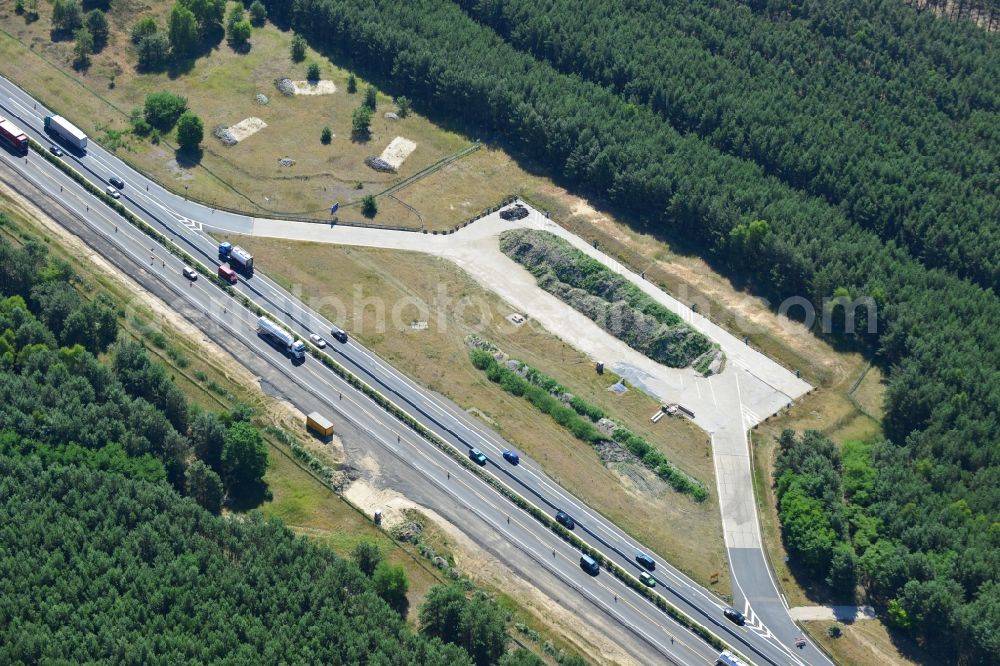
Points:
point(228, 274)
point(12, 135)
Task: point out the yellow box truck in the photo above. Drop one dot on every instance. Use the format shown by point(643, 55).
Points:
point(319, 424)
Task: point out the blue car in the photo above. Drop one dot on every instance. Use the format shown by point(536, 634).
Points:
point(477, 457)
point(645, 560)
point(511, 457)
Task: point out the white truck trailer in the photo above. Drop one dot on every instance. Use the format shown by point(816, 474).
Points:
point(282, 338)
point(69, 133)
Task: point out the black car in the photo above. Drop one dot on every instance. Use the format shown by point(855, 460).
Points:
point(564, 519)
point(735, 616)
point(338, 335)
point(117, 182)
point(55, 150)
point(645, 560)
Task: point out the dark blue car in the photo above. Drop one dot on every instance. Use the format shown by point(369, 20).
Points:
point(511, 457)
point(645, 560)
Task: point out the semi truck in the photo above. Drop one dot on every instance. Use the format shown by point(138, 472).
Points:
point(319, 424)
point(238, 258)
point(281, 338)
point(12, 135)
point(69, 133)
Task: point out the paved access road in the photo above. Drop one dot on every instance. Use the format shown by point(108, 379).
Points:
point(183, 221)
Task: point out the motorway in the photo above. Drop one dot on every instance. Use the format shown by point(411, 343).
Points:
point(219, 315)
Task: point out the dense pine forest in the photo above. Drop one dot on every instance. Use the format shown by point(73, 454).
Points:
point(815, 149)
point(110, 547)
point(102, 568)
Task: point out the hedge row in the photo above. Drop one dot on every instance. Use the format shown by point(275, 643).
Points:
point(414, 425)
point(542, 391)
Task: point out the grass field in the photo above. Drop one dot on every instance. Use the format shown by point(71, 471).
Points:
point(221, 88)
point(868, 642)
point(375, 294)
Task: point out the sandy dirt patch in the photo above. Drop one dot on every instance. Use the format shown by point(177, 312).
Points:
point(322, 87)
point(246, 128)
point(370, 499)
point(397, 151)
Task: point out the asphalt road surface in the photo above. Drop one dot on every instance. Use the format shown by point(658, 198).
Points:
point(222, 318)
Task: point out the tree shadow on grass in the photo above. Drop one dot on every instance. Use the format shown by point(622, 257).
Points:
point(189, 157)
point(403, 607)
point(248, 497)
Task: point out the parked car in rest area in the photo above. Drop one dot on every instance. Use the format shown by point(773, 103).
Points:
point(512, 457)
point(190, 273)
point(735, 616)
point(564, 519)
point(477, 457)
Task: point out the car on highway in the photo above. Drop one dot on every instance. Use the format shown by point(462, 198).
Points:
point(56, 150)
point(190, 273)
point(317, 340)
point(565, 520)
point(590, 565)
point(647, 580)
point(339, 335)
point(512, 457)
point(112, 192)
point(735, 616)
point(117, 182)
point(477, 457)
point(645, 560)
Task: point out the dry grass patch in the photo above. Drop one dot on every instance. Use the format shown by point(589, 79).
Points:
point(868, 642)
point(870, 393)
point(375, 296)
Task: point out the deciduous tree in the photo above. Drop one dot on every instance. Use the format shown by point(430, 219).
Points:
point(97, 22)
point(298, 48)
point(204, 486)
point(390, 583)
point(367, 556)
point(258, 13)
point(244, 456)
point(182, 27)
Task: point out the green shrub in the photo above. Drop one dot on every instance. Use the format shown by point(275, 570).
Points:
point(162, 109)
point(482, 360)
point(513, 384)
